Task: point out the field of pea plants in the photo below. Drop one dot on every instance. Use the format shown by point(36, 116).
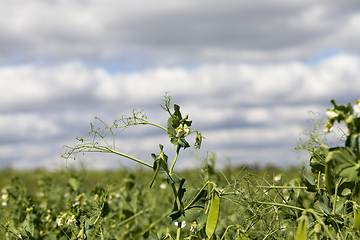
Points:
point(155, 201)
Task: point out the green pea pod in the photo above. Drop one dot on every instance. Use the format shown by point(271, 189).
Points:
point(302, 227)
point(213, 214)
point(356, 210)
point(329, 182)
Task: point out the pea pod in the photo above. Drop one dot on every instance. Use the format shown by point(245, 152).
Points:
point(329, 181)
point(213, 214)
point(302, 232)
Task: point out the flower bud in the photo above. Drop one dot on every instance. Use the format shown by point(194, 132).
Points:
point(198, 140)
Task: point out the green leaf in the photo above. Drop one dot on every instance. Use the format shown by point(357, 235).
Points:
point(213, 214)
point(192, 201)
point(177, 112)
point(309, 182)
point(345, 188)
point(324, 202)
point(160, 166)
point(317, 160)
point(74, 183)
point(352, 141)
point(345, 164)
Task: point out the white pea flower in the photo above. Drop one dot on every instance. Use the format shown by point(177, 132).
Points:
point(193, 226)
point(60, 221)
point(4, 204)
point(163, 186)
point(277, 178)
point(356, 107)
point(71, 221)
point(331, 114)
point(183, 224)
point(182, 130)
point(40, 194)
point(328, 127)
point(5, 196)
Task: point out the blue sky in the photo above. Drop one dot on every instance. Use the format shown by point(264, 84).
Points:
point(246, 72)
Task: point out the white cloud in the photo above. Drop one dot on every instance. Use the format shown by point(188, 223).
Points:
point(245, 111)
point(31, 126)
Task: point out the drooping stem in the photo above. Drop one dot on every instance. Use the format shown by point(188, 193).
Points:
point(176, 156)
point(110, 150)
point(157, 125)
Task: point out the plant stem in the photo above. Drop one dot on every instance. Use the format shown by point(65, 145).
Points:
point(124, 155)
point(178, 232)
point(156, 125)
point(275, 204)
point(279, 187)
point(176, 197)
point(176, 156)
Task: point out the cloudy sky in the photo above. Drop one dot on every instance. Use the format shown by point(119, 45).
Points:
point(246, 73)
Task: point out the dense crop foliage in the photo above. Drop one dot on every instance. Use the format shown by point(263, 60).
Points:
point(156, 203)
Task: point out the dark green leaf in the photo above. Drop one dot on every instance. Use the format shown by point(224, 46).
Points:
point(345, 164)
point(309, 182)
point(192, 201)
point(324, 202)
point(317, 160)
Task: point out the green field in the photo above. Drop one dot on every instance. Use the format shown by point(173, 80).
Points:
point(120, 204)
point(159, 202)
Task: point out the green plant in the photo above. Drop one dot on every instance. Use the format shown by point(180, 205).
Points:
point(337, 175)
point(190, 204)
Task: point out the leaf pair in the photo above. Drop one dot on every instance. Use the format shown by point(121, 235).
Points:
point(161, 167)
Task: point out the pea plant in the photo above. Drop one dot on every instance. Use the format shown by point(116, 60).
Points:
point(198, 207)
point(333, 212)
